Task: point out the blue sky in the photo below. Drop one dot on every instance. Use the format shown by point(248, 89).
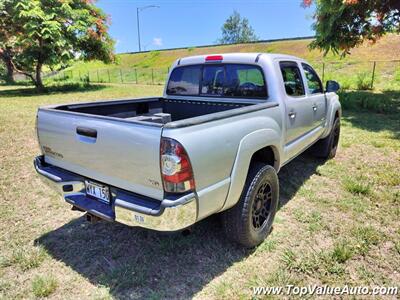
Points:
point(179, 23)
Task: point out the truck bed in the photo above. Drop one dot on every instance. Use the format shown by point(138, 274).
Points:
point(157, 110)
point(99, 132)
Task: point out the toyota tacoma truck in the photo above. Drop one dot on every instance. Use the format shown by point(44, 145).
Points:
point(213, 143)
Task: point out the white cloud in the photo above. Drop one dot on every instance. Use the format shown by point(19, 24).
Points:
point(157, 42)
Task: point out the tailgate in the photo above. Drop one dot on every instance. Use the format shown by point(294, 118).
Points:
point(118, 153)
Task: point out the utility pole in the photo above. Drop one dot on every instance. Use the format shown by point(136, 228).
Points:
point(138, 28)
point(139, 9)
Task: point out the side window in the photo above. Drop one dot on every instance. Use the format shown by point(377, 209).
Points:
point(292, 79)
point(313, 81)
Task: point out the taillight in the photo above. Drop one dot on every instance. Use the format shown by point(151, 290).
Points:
point(176, 169)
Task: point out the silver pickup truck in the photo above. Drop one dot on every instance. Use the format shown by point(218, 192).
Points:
point(213, 143)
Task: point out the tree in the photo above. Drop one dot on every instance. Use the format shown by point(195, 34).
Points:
point(8, 33)
point(237, 30)
point(53, 32)
point(3, 73)
point(342, 25)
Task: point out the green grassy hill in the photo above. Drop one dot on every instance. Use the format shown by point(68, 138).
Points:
point(353, 70)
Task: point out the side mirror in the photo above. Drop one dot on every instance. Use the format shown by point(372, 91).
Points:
point(332, 86)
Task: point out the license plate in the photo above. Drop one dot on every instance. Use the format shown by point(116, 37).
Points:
point(98, 191)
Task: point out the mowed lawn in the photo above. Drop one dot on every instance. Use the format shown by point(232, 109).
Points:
point(339, 222)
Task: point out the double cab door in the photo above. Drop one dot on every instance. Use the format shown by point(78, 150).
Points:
point(315, 92)
point(305, 105)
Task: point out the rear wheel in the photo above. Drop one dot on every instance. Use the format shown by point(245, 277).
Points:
point(327, 147)
point(250, 220)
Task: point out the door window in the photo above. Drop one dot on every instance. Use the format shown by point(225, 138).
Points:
point(292, 79)
point(313, 82)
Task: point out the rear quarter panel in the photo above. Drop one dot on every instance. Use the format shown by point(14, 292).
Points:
point(220, 153)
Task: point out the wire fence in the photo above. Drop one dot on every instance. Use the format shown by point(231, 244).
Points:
point(356, 75)
point(363, 75)
point(152, 76)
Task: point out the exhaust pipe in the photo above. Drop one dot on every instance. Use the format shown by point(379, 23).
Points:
point(92, 218)
point(188, 231)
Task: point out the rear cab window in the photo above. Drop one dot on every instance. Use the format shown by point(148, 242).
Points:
point(184, 81)
point(218, 80)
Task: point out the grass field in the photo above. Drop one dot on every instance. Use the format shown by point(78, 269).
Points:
point(339, 221)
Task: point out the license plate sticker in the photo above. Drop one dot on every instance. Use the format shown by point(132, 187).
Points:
point(98, 191)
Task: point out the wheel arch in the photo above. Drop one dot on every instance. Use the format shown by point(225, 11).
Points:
point(334, 112)
point(259, 146)
point(268, 155)
point(337, 115)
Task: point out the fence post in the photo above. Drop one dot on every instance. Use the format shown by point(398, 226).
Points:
point(323, 72)
point(136, 78)
point(152, 76)
point(373, 76)
point(120, 73)
point(109, 78)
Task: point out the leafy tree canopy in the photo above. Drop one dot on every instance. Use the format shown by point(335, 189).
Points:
point(52, 32)
point(342, 25)
point(237, 30)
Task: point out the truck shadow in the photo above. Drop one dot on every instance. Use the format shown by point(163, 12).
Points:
point(294, 174)
point(141, 264)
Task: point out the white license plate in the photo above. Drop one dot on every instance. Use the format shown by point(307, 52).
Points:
point(98, 191)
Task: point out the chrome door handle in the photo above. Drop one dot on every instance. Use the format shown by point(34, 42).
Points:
point(292, 115)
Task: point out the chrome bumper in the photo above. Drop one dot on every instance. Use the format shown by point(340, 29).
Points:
point(125, 207)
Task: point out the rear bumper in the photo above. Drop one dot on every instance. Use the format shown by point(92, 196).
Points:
point(125, 207)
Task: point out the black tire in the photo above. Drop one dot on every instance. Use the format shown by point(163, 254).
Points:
point(327, 147)
point(259, 201)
